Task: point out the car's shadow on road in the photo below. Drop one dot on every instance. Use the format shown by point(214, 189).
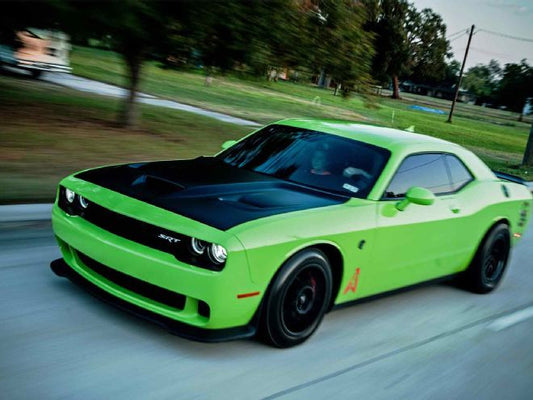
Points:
point(144, 330)
point(136, 328)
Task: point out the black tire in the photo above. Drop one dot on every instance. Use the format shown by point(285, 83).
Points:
point(297, 299)
point(488, 266)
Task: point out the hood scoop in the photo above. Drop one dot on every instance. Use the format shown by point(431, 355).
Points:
point(272, 199)
point(155, 185)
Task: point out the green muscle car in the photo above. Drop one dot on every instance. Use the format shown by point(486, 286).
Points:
point(284, 225)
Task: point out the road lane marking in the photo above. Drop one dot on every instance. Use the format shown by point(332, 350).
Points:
point(510, 320)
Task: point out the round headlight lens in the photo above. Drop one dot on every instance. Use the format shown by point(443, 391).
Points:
point(70, 195)
point(217, 253)
point(198, 246)
point(83, 202)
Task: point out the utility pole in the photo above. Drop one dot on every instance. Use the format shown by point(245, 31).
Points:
point(461, 75)
point(528, 154)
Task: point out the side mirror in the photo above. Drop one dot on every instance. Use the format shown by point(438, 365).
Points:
point(416, 195)
point(227, 144)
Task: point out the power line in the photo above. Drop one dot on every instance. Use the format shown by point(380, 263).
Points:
point(458, 37)
point(490, 52)
point(522, 39)
point(463, 31)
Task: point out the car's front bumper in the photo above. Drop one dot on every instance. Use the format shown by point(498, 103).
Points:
point(61, 268)
point(155, 281)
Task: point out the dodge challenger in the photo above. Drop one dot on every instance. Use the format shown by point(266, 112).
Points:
point(284, 225)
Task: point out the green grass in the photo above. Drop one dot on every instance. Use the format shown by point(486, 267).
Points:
point(496, 136)
point(48, 132)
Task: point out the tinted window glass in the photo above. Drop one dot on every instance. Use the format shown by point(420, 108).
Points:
point(425, 170)
point(311, 158)
point(459, 174)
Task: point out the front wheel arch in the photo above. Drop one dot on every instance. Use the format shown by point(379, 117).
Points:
point(277, 286)
point(336, 263)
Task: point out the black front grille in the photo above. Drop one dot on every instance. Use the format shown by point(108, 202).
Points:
point(137, 231)
point(121, 225)
point(145, 289)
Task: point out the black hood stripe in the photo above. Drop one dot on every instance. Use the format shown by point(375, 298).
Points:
point(209, 191)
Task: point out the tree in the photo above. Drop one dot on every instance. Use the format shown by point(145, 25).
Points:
point(482, 81)
point(337, 45)
point(135, 27)
point(253, 34)
point(516, 86)
point(388, 21)
point(17, 15)
point(429, 48)
point(259, 35)
point(407, 41)
point(451, 72)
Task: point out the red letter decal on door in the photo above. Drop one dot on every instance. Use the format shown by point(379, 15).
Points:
point(352, 285)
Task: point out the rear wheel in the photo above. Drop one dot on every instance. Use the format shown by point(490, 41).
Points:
point(490, 261)
point(298, 298)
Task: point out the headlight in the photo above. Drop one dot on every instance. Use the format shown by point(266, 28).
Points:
point(83, 202)
point(70, 195)
point(198, 246)
point(217, 254)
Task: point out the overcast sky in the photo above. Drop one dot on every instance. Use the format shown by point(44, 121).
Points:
point(510, 17)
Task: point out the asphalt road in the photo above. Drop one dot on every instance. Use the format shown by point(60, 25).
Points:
point(436, 342)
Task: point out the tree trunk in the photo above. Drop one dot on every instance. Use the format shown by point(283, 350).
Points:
point(395, 87)
point(528, 154)
point(128, 117)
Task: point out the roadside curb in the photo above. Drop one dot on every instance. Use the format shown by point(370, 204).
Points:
point(25, 212)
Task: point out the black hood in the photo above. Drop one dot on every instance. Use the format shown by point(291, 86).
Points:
point(208, 190)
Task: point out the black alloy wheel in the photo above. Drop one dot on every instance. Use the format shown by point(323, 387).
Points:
point(298, 299)
point(494, 261)
point(488, 266)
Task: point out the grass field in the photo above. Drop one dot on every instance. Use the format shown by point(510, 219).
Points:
point(496, 136)
point(47, 132)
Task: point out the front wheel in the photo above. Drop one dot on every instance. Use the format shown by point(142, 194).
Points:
point(490, 261)
point(298, 299)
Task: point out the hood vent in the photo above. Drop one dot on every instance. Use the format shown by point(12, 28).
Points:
point(156, 185)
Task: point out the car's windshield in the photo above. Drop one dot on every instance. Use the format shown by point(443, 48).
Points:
point(321, 160)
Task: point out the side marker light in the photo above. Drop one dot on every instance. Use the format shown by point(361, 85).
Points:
point(244, 295)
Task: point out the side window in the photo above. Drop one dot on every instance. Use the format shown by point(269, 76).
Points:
point(459, 175)
point(426, 170)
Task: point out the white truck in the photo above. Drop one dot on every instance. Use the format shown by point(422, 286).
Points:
point(38, 50)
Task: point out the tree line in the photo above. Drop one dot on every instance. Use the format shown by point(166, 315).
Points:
point(352, 42)
point(508, 87)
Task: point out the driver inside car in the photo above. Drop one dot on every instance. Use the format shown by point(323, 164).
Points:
point(319, 163)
